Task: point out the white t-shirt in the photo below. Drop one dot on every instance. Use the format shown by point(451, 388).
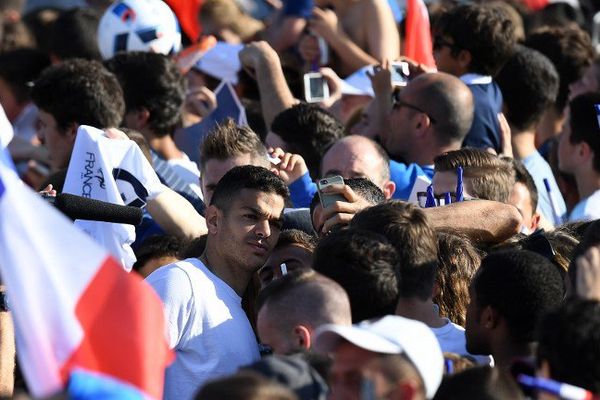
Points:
point(587, 209)
point(188, 171)
point(206, 324)
point(452, 340)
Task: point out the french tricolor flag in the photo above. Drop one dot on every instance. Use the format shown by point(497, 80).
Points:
point(74, 307)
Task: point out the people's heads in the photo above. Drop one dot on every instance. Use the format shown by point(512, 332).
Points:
point(308, 130)
point(529, 84)
point(226, 146)
point(458, 260)
point(364, 264)
point(359, 157)
point(294, 249)
point(156, 251)
point(478, 383)
point(402, 223)
point(510, 292)
point(589, 82)
point(18, 70)
point(290, 309)
point(244, 385)
point(74, 35)
point(75, 92)
point(485, 176)
point(524, 196)
point(570, 50)
point(434, 111)
point(391, 357)
point(154, 91)
point(473, 38)
point(245, 216)
point(579, 144)
point(362, 187)
point(569, 344)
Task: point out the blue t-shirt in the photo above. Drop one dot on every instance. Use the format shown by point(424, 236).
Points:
point(404, 176)
point(298, 8)
point(485, 130)
point(540, 169)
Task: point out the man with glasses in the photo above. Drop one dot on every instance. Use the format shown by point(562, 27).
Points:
point(473, 42)
point(430, 116)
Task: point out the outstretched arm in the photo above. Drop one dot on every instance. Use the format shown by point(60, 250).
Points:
point(482, 220)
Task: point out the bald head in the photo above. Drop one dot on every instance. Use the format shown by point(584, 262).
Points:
point(358, 157)
point(303, 300)
point(448, 100)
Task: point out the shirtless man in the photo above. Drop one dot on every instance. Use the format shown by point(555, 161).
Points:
point(359, 33)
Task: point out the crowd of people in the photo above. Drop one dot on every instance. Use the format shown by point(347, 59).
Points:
point(434, 238)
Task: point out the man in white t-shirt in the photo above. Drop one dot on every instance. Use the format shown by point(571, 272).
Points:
point(207, 326)
point(579, 154)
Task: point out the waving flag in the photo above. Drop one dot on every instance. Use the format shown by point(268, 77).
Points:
point(418, 45)
point(73, 305)
point(114, 171)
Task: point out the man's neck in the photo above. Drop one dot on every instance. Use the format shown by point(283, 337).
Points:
point(426, 154)
point(420, 310)
point(523, 143)
point(164, 146)
point(506, 352)
point(588, 182)
point(235, 277)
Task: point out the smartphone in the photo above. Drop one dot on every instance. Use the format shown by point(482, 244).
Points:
point(315, 87)
point(400, 73)
point(329, 199)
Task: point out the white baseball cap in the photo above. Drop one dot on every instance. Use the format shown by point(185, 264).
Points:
point(358, 83)
point(391, 335)
point(222, 62)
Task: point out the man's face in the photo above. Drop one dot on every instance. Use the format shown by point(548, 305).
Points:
point(353, 160)
point(352, 367)
point(521, 199)
point(442, 54)
point(474, 334)
point(270, 333)
point(60, 144)
point(248, 230)
point(294, 256)
point(215, 169)
point(9, 102)
point(567, 150)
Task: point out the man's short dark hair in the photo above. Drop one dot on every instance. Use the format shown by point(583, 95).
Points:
point(80, 92)
point(157, 246)
point(151, 81)
point(569, 340)
point(247, 177)
point(309, 131)
point(482, 382)
point(529, 84)
point(19, 68)
point(490, 177)
point(364, 263)
point(74, 34)
point(486, 32)
point(363, 187)
point(227, 140)
point(570, 50)
point(584, 123)
point(403, 223)
point(296, 237)
point(521, 286)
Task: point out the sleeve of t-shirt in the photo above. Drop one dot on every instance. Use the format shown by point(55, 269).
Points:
point(302, 191)
point(297, 8)
point(174, 288)
point(404, 177)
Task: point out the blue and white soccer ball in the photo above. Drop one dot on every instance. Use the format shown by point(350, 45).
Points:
point(138, 25)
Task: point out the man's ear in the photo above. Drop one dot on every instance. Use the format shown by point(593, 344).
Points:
point(302, 337)
point(71, 131)
point(139, 118)
point(388, 189)
point(464, 59)
point(490, 318)
point(212, 216)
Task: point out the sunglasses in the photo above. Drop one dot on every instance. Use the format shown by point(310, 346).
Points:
point(439, 42)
